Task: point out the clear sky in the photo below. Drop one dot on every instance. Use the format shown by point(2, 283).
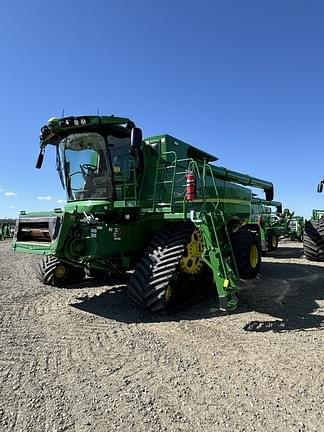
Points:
point(242, 79)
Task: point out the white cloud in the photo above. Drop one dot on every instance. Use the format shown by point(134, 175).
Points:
point(11, 194)
point(45, 198)
point(1, 190)
point(61, 201)
point(12, 207)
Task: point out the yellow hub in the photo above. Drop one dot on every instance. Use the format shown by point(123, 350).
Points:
point(191, 261)
point(254, 256)
point(274, 241)
point(60, 272)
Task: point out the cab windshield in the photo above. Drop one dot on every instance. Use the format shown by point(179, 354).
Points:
point(92, 166)
point(85, 167)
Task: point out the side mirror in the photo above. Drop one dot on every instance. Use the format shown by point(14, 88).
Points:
point(39, 161)
point(320, 187)
point(136, 137)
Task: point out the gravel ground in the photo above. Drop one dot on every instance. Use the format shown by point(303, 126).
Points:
point(85, 359)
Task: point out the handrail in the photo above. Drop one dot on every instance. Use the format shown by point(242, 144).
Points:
point(177, 176)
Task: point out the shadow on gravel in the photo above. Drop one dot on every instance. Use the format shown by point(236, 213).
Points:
point(121, 279)
point(286, 252)
point(286, 291)
point(115, 304)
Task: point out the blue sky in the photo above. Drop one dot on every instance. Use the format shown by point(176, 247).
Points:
point(243, 80)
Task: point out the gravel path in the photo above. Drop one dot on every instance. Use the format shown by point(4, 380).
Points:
point(85, 359)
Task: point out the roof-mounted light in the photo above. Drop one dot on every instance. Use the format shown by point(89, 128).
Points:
point(73, 121)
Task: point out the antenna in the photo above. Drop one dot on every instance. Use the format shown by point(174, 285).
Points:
point(97, 111)
point(63, 112)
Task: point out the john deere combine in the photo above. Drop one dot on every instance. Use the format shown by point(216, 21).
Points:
point(267, 219)
point(156, 206)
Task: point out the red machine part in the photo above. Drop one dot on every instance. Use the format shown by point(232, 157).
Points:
point(190, 186)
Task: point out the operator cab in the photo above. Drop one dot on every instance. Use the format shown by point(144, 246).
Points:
point(84, 167)
point(97, 157)
point(90, 164)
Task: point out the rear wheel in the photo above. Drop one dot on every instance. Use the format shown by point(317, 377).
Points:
point(314, 240)
point(171, 272)
point(52, 271)
point(272, 241)
point(247, 251)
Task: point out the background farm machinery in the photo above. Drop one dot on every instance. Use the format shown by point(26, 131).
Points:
point(314, 233)
point(6, 230)
point(265, 213)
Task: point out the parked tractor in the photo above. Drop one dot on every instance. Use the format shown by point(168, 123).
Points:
point(156, 206)
point(262, 212)
point(296, 228)
point(5, 231)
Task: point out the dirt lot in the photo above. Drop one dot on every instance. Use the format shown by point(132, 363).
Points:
point(85, 359)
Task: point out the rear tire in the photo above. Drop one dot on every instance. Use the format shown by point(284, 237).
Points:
point(52, 271)
point(314, 240)
point(272, 241)
point(247, 251)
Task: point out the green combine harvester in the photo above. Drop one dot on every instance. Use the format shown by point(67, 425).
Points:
point(270, 231)
point(155, 206)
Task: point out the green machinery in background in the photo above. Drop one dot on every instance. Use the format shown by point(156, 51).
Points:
point(5, 231)
point(277, 224)
point(314, 233)
point(157, 206)
point(268, 221)
point(296, 226)
point(317, 214)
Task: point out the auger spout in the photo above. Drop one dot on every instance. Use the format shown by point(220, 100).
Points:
point(245, 180)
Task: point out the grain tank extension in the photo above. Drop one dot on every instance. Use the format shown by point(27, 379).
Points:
point(157, 206)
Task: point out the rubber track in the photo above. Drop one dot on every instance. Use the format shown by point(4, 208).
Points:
point(148, 284)
point(314, 240)
point(45, 269)
point(45, 272)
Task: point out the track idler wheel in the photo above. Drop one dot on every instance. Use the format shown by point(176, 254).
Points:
point(52, 271)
